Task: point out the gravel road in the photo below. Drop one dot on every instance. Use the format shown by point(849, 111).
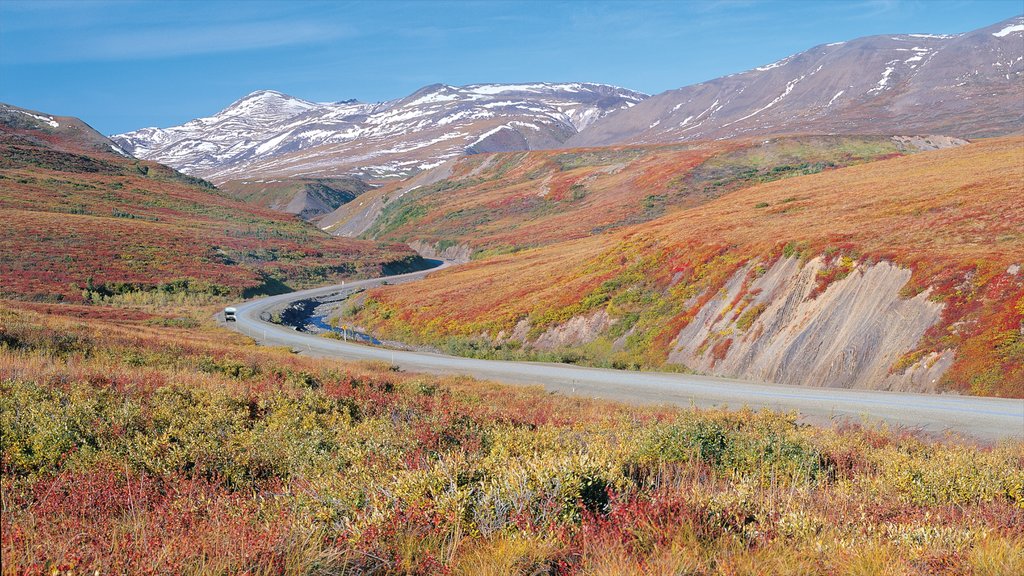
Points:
point(984, 419)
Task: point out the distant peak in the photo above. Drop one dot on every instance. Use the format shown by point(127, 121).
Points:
point(267, 104)
point(265, 94)
point(431, 88)
point(547, 87)
point(259, 96)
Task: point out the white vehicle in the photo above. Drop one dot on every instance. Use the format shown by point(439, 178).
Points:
point(229, 314)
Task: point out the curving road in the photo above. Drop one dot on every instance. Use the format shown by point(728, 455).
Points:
point(985, 419)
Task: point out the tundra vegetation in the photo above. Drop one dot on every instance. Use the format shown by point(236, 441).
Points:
point(952, 217)
point(516, 200)
point(104, 228)
point(137, 441)
point(138, 438)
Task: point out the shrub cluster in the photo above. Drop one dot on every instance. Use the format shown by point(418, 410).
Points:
point(132, 446)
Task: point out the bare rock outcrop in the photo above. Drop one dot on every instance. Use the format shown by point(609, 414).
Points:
point(851, 335)
point(459, 253)
point(575, 331)
point(930, 142)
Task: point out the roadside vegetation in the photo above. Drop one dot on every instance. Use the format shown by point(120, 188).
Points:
point(150, 442)
point(137, 437)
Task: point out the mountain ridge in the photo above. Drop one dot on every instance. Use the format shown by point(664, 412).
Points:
point(269, 133)
point(965, 85)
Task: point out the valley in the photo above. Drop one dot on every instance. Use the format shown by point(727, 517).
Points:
point(985, 419)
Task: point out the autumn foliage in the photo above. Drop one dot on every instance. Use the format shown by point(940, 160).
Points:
point(130, 445)
point(82, 226)
point(951, 216)
point(507, 202)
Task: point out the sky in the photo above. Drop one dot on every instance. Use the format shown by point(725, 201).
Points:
point(123, 64)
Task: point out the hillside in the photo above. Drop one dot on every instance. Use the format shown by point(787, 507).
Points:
point(898, 274)
point(270, 135)
point(962, 85)
point(82, 220)
point(507, 202)
point(59, 133)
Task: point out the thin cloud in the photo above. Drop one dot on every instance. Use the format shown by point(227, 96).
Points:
point(211, 39)
point(176, 41)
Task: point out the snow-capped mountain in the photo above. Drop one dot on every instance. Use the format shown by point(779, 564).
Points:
point(274, 135)
point(964, 85)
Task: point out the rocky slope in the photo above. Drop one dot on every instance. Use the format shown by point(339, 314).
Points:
point(964, 85)
point(853, 333)
point(272, 135)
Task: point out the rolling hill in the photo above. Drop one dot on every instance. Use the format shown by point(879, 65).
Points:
point(903, 273)
point(507, 202)
point(83, 220)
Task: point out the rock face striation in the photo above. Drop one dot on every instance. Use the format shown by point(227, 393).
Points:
point(268, 134)
point(963, 85)
point(851, 335)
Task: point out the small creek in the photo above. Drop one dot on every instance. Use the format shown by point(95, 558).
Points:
point(311, 315)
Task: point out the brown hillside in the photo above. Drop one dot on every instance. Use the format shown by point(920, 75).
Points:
point(953, 217)
point(83, 221)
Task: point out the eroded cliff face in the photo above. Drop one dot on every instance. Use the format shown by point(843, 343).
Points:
point(776, 327)
point(574, 332)
point(458, 253)
point(782, 323)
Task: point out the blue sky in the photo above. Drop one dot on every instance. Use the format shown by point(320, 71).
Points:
point(122, 65)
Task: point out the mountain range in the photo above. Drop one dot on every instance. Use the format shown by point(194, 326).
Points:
point(963, 85)
point(273, 135)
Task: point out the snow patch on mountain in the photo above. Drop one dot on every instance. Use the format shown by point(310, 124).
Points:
point(270, 132)
point(1009, 30)
point(774, 65)
point(45, 119)
point(961, 83)
point(885, 77)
